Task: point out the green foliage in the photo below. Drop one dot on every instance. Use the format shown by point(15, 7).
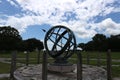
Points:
point(82, 45)
point(114, 43)
point(32, 44)
point(101, 43)
point(9, 38)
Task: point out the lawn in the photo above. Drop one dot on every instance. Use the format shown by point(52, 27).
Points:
point(19, 54)
point(4, 68)
point(114, 55)
point(4, 79)
point(94, 54)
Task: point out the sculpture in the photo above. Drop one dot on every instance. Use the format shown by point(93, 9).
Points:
point(62, 44)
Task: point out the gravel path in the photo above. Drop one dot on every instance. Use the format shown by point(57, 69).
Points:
point(4, 75)
point(118, 78)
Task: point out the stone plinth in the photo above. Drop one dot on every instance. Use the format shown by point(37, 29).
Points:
point(35, 73)
point(61, 68)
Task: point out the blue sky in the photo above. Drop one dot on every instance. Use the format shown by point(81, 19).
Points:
point(84, 17)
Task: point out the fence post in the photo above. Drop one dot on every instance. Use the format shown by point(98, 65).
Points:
point(109, 76)
point(98, 58)
point(38, 60)
point(13, 65)
point(88, 59)
point(27, 58)
point(44, 66)
point(79, 66)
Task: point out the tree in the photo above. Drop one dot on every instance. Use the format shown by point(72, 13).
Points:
point(32, 44)
point(82, 45)
point(99, 41)
point(114, 42)
point(89, 46)
point(9, 38)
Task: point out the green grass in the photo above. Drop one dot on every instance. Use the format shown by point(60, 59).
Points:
point(5, 79)
point(116, 71)
point(19, 54)
point(4, 68)
point(114, 55)
point(5, 54)
point(31, 61)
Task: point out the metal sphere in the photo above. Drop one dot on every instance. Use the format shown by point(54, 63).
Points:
point(60, 42)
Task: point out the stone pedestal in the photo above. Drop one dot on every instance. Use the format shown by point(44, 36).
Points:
point(61, 68)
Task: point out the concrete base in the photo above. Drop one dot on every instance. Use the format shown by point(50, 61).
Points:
point(34, 72)
point(61, 68)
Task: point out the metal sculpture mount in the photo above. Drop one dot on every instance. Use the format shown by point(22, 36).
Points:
point(60, 44)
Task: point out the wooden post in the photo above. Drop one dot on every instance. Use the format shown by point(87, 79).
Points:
point(98, 58)
point(79, 66)
point(109, 76)
point(44, 66)
point(38, 60)
point(88, 59)
point(27, 58)
point(13, 65)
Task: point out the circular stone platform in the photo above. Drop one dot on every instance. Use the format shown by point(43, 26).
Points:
point(34, 72)
point(61, 68)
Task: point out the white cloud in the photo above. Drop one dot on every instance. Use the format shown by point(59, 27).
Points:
point(109, 26)
point(117, 9)
point(12, 2)
point(18, 23)
point(53, 12)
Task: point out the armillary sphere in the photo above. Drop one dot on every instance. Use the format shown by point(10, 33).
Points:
point(60, 42)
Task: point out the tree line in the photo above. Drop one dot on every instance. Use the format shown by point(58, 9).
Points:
point(10, 39)
point(100, 42)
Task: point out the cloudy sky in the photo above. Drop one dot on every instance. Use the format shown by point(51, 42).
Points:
point(84, 17)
